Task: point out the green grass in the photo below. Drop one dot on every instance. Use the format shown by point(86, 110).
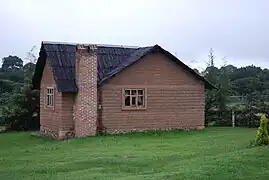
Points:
point(215, 153)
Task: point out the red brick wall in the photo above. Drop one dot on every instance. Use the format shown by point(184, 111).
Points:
point(56, 121)
point(49, 117)
point(175, 98)
point(85, 107)
point(67, 123)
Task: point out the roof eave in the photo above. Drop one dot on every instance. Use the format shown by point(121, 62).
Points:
point(209, 86)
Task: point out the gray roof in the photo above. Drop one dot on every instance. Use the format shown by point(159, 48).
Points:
point(62, 58)
point(112, 59)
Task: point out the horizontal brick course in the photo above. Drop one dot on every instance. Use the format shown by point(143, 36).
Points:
point(175, 99)
point(57, 121)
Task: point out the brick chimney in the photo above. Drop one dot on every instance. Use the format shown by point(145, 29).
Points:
point(85, 106)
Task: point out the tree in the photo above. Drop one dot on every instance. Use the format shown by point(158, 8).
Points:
point(29, 68)
point(18, 103)
point(211, 71)
point(223, 93)
point(262, 134)
point(217, 100)
point(31, 57)
point(12, 63)
point(19, 110)
point(211, 74)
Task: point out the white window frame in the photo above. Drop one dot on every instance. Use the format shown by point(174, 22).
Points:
point(50, 97)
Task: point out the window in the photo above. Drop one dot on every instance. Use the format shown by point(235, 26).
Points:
point(50, 97)
point(134, 99)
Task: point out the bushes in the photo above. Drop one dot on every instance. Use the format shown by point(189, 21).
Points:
point(244, 117)
point(17, 114)
point(262, 134)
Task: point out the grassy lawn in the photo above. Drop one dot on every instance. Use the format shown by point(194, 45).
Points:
point(215, 153)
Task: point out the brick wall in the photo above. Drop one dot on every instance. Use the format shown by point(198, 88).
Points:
point(85, 106)
point(175, 98)
point(67, 125)
point(49, 117)
point(55, 121)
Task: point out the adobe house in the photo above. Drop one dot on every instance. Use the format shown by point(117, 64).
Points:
point(86, 89)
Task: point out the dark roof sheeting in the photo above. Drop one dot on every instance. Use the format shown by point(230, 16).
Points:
point(109, 58)
point(62, 58)
point(136, 55)
point(141, 52)
point(111, 61)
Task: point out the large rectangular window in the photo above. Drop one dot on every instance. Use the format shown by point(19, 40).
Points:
point(50, 96)
point(134, 99)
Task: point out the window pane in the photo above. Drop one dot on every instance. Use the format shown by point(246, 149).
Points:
point(133, 101)
point(52, 102)
point(140, 92)
point(127, 92)
point(50, 97)
point(47, 99)
point(127, 101)
point(134, 92)
point(140, 101)
point(49, 91)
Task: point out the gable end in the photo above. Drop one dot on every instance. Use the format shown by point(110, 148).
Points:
point(142, 52)
point(62, 60)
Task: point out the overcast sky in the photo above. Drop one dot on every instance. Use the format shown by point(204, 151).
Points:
point(235, 29)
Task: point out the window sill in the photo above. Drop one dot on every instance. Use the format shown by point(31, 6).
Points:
point(133, 109)
point(49, 107)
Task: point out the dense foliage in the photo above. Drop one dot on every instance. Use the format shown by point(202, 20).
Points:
point(19, 104)
point(244, 90)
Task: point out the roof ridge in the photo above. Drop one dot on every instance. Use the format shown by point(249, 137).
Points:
point(100, 45)
point(118, 46)
point(58, 43)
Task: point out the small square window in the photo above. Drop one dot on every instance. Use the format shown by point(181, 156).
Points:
point(134, 99)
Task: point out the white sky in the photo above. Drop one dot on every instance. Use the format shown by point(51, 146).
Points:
point(236, 29)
